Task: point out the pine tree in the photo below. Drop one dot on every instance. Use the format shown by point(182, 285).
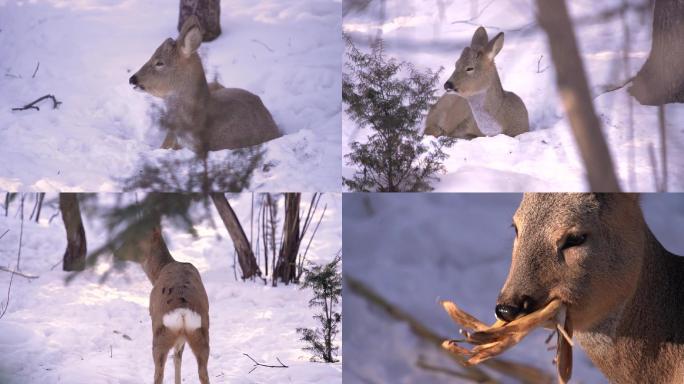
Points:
point(326, 283)
point(390, 98)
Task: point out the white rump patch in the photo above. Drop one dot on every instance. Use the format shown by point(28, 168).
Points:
point(182, 319)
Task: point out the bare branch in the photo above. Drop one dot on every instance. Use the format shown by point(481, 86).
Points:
point(27, 276)
point(32, 105)
point(258, 364)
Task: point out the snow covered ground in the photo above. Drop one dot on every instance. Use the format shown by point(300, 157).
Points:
point(287, 52)
point(444, 246)
point(88, 332)
point(432, 35)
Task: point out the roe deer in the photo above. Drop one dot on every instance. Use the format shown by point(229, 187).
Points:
point(622, 289)
point(210, 116)
point(477, 80)
point(451, 116)
point(179, 306)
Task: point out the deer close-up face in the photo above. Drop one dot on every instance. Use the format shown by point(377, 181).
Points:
point(172, 65)
point(475, 69)
point(574, 247)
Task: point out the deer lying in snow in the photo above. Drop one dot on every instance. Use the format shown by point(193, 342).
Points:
point(484, 108)
point(622, 289)
point(209, 116)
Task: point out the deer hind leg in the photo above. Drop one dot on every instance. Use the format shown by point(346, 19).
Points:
point(199, 343)
point(170, 141)
point(177, 358)
point(162, 341)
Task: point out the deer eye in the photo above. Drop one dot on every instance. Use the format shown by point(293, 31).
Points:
point(574, 241)
point(470, 69)
point(159, 64)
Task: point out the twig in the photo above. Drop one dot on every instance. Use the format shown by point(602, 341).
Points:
point(36, 70)
point(5, 269)
point(469, 21)
point(258, 364)
point(4, 233)
point(9, 287)
point(613, 87)
point(663, 147)
point(32, 105)
point(421, 363)
point(263, 45)
point(538, 64)
point(522, 372)
point(654, 164)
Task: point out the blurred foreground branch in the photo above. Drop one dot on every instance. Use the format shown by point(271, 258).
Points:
point(574, 92)
point(521, 372)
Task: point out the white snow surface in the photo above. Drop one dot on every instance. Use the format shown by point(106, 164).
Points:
point(432, 35)
point(287, 52)
point(445, 247)
point(87, 332)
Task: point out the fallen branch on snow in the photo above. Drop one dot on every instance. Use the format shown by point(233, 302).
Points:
point(32, 105)
point(258, 364)
point(5, 269)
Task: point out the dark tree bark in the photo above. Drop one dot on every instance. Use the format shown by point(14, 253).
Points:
point(661, 79)
point(207, 11)
point(246, 259)
point(74, 256)
point(286, 268)
point(41, 198)
point(574, 93)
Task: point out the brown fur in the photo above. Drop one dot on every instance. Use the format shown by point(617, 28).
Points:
point(451, 116)
point(210, 116)
point(622, 288)
point(477, 80)
point(175, 285)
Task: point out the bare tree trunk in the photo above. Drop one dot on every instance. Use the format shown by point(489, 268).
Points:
point(41, 197)
point(574, 92)
point(74, 256)
point(248, 262)
point(287, 259)
point(207, 11)
point(661, 79)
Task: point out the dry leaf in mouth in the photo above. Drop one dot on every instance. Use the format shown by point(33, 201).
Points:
point(490, 341)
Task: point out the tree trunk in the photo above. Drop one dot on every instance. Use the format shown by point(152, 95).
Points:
point(248, 262)
point(74, 256)
point(574, 93)
point(41, 198)
point(287, 259)
point(661, 79)
point(207, 11)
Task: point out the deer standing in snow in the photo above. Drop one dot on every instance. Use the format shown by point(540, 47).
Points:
point(179, 306)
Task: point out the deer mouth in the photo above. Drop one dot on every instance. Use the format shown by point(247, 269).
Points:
point(139, 87)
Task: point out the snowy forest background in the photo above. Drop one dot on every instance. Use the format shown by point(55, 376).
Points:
point(94, 326)
point(614, 39)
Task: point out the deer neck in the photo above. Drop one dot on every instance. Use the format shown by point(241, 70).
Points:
point(486, 107)
point(187, 107)
point(158, 257)
point(643, 336)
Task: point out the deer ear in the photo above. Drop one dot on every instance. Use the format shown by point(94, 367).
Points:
point(190, 36)
point(479, 39)
point(494, 46)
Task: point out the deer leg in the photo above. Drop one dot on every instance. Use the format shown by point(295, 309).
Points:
point(177, 358)
point(161, 344)
point(170, 141)
point(199, 343)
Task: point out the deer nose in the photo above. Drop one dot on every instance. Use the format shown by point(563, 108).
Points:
point(449, 86)
point(133, 80)
point(508, 312)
